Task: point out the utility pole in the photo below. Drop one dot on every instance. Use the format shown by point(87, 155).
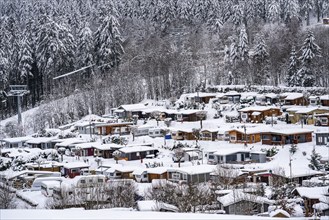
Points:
point(18, 91)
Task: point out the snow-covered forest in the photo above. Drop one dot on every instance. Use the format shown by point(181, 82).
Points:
point(156, 48)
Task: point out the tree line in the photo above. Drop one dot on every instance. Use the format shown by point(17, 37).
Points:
point(156, 48)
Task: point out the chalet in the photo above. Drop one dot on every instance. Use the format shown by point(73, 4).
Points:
point(117, 171)
point(311, 196)
point(294, 99)
point(122, 128)
point(286, 136)
point(191, 115)
point(324, 99)
point(245, 135)
point(41, 142)
point(191, 174)
point(257, 114)
point(73, 169)
point(127, 111)
point(68, 143)
point(105, 150)
point(232, 155)
point(136, 152)
point(157, 173)
point(15, 142)
point(238, 202)
point(182, 134)
point(322, 119)
point(85, 149)
point(52, 166)
point(322, 137)
point(208, 134)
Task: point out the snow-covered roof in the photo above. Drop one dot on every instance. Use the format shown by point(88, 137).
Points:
point(250, 130)
point(231, 93)
point(157, 170)
point(17, 139)
point(312, 192)
point(70, 141)
point(100, 146)
point(85, 145)
point(277, 211)
point(292, 95)
point(324, 97)
point(191, 170)
point(136, 149)
point(134, 107)
point(271, 95)
point(287, 131)
point(238, 195)
point(306, 110)
point(257, 108)
point(229, 151)
point(40, 140)
point(72, 165)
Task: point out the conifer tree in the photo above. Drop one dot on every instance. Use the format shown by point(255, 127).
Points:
point(315, 161)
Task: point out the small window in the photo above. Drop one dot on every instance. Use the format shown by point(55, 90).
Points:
point(82, 181)
point(100, 180)
point(137, 154)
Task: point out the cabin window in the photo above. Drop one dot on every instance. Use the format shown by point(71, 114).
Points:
point(74, 170)
point(118, 174)
point(82, 181)
point(266, 137)
point(176, 176)
point(232, 138)
point(324, 120)
point(90, 180)
point(137, 154)
point(100, 180)
point(184, 176)
point(211, 156)
point(320, 139)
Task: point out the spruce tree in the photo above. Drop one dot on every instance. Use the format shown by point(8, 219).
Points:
point(310, 50)
point(315, 161)
point(108, 43)
point(260, 58)
point(292, 77)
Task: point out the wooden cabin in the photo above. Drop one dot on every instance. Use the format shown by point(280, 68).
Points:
point(257, 114)
point(307, 115)
point(157, 173)
point(15, 142)
point(137, 152)
point(85, 149)
point(241, 135)
point(122, 128)
point(184, 134)
point(105, 150)
point(127, 111)
point(286, 136)
point(73, 169)
point(190, 115)
point(208, 134)
point(324, 100)
point(325, 21)
point(191, 174)
point(294, 99)
point(42, 142)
